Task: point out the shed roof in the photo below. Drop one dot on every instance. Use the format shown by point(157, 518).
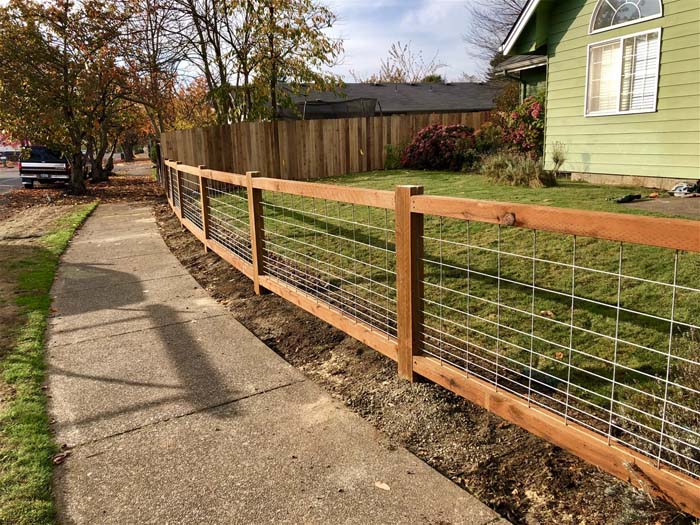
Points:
point(414, 98)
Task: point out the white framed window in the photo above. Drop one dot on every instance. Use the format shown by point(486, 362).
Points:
point(610, 14)
point(623, 75)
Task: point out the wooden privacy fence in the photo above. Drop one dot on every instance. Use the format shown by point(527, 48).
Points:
point(581, 327)
point(303, 149)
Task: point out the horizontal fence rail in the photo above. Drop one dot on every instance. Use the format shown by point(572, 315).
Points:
point(582, 327)
point(304, 149)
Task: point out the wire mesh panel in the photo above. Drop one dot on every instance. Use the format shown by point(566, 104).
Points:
point(605, 334)
point(174, 188)
point(167, 183)
point(228, 217)
point(340, 254)
point(191, 199)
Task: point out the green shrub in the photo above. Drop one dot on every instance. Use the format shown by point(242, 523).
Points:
point(392, 157)
point(516, 169)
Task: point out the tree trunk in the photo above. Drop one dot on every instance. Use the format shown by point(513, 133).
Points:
point(273, 61)
point(99, 174)
point(77, 178)
point(128, 147)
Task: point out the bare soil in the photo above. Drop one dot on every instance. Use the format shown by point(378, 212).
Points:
point(683, 207)
point(525, 479)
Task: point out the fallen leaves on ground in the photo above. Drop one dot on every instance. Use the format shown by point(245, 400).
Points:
point(119, 188)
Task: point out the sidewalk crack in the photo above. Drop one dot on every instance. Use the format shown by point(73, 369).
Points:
point(186, 414)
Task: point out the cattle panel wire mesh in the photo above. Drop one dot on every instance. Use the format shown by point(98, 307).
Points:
point(174, 188)
point(605, 334)
point(191, 199)
point(167, 181)
point(343, 255)
point(228, 218)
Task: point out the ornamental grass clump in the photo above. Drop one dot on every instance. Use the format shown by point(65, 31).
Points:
point(516, 169)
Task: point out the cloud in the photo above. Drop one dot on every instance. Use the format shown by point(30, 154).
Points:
point(368, 28)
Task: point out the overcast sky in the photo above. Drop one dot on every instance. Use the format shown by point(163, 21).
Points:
point(369, 27)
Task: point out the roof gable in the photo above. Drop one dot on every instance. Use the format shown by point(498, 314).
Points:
point(532, 24)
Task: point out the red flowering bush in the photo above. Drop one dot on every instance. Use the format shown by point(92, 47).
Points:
point(523, 127)
point(440, 147)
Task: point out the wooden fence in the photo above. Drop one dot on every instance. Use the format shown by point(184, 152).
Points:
point(493, 301)
point(303, 149)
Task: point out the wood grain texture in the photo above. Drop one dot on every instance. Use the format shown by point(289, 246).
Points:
point(677, 234)
point(409, 278)
point(257, 230)
point(204, 204)
point(303, 149)
point(358, 196)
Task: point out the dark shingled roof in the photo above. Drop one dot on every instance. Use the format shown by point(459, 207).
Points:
point(414, 98)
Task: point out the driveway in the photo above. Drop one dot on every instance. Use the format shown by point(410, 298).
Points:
point(9, 179)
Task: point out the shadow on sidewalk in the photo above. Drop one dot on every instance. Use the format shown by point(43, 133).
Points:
point(196, 381)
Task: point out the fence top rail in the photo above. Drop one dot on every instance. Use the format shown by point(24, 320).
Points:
point(358, 196)
point(675, 234)
point(223, 176)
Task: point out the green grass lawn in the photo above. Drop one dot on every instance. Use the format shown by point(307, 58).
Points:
point(26, 443)
point(566, 195)
point(498, 300)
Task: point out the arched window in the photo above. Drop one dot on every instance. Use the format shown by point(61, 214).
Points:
point(615, 13)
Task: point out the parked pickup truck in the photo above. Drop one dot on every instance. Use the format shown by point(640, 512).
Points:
point(43, 165)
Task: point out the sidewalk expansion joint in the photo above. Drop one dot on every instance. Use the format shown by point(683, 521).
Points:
point(122, 257)
point(131, 332)
point(186, 414)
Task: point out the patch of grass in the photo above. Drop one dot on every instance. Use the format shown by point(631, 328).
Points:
point(26, 444)
point(566, 194)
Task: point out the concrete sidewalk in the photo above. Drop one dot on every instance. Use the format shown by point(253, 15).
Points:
point(175, 413)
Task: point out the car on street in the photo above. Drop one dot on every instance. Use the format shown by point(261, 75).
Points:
point(43, 165)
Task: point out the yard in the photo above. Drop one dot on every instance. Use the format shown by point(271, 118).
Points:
point(591, 329)
point(566, 195)
point(603, 333)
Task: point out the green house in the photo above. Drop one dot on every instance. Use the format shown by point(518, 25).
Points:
point(622, 79)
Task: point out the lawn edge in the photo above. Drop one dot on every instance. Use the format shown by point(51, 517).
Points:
point(27, 468)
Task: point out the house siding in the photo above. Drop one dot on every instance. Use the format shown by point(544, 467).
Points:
point(665, 143)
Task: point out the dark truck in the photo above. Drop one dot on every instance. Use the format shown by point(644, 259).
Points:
point(43, 165)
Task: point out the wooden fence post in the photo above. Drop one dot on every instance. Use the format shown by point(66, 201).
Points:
point(257, 231)
point(179, 192)
point(409, 279)
point(204, 205)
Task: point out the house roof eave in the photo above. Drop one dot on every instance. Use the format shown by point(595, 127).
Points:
point(517, 29)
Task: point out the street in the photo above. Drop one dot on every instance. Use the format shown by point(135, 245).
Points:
point(9, 180)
